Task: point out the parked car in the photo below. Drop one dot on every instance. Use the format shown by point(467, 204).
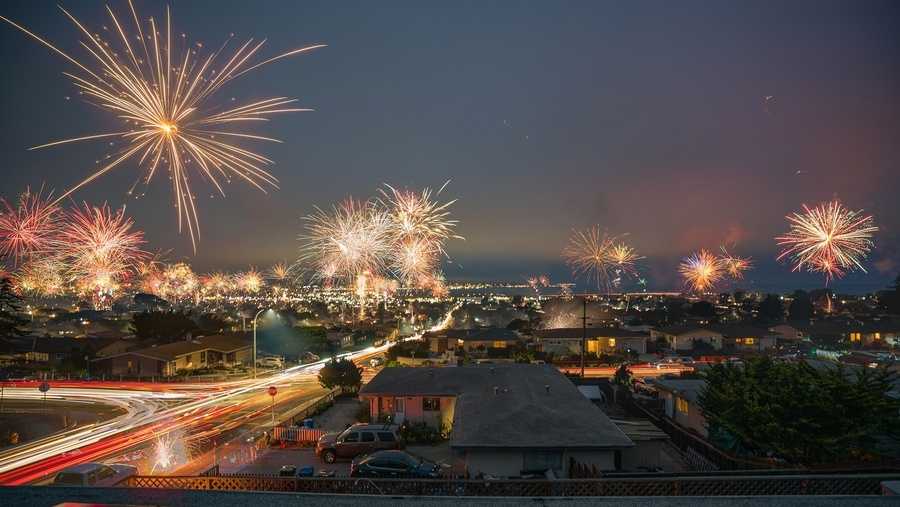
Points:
point(270, 362)
point(357, 439)
point(309, 357)
point(376, 361)
point(394, 464)
point(94, 474)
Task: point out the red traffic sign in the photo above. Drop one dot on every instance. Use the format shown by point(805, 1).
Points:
point(273, 390)
point(44, 387)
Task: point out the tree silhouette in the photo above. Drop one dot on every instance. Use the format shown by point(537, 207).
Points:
point(11, 320)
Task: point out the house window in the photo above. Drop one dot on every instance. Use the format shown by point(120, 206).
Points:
point(593, 346)
point(431, 404)
point(612, 343)
point(202, 357)
point(749, 341)
point(855, 337)
point(499, 344)
point(877, 336)
point(540, 461)
point(682, 405)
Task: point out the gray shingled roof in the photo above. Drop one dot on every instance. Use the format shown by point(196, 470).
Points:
point(522, 413)
point(170, 351)
point(688, 389)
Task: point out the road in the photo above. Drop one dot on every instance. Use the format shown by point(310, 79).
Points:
point(160, 421)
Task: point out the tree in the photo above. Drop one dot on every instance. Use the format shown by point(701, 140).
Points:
point(703, 309)
point(799, 413)
point(771, 309)
point(801, 307)
point(11, 320)
point(342, 373)
point(162, 327)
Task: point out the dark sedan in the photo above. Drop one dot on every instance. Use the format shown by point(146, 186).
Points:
point(391, 464)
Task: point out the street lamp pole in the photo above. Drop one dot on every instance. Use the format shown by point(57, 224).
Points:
point(254, 338)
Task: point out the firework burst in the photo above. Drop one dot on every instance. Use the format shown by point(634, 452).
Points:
point(101, 249)
point(733, 265)
point(29, 227)
point(624, 258)
point(250, 281)
point(178, 282)
point(42, 277)
point(418, 216)
point(589, 254)
point(280, 272)
point(164, 94)
point(354, 238)
point(701, 271)
point(828, 239)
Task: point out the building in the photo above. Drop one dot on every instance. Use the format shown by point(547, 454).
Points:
point(680, 397)
point(600, 340)
point(744, 338)
point(503, 420)
point(684, 338)
point(470, 340)
point(167, 360)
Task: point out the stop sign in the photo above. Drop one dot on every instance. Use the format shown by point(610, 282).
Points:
point(44, 387)
point(273, 391)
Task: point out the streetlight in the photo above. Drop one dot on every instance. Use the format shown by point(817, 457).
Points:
point(254, 336)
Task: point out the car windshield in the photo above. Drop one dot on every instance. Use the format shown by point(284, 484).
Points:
point(68, 479)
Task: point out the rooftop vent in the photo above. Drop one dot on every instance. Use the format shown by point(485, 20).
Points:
point(547, 387)
point(496, 390)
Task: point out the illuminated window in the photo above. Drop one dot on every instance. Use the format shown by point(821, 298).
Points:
point(855, 337)
point(749, 341)
point(877, 336)
point(593, 346)
point(682, 405)
point(612, 343)
point(499, 344)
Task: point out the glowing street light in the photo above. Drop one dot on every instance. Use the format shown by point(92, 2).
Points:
point(267, 310)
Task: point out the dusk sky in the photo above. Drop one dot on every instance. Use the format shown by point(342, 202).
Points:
point(647, 118)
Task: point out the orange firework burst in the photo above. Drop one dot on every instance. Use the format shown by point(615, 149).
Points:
point(101, 249)
point(29, 227)
point(280, 272)
point(624, 258)
point(162, 91)
point(735, 266)
point(701, 271)
point(828, 239)
point(250, 281)
point(43, 277)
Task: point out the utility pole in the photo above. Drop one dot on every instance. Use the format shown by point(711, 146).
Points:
point(583, 332)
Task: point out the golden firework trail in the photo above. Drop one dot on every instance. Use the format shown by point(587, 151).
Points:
point(828, 239)
point(164, 94)
point(701, 271)
point(624, 258)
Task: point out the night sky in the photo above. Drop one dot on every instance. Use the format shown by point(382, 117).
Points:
point(644, 117)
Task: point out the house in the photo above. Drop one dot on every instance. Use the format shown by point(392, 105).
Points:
point(471, 340)
point(680, 397)
point(600, 340)
point(166, 360)
point(503, 420)
point(650, 443)
point(57, 350)
point(684, 338)
point(744, 338)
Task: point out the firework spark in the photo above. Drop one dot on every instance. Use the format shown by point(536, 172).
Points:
point(29, 227)
point(417, 216)
point(217, 283)
point(589, 254)
point(415, 260)
point(828, 239)
point(101, 249)
point(735, 266)
point(178, 283)
point(43, 277)
point(701, 271)
point(624, 258)
point(280, 272)
point(163, 92)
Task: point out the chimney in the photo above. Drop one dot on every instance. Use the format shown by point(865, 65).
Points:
point(547, 387)
point(496, 390)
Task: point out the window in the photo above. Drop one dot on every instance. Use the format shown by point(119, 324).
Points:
point(499, 344)
point(431, 404)
point(855, 337)
point(682, 405)
point(593, 346)
point(539, 461)
point(352, 437)
point(749, 341)
point(877, 336)
point(612, 343)
point(368, 436)
point(105, 473)
point(203, 357)
point(386, 436)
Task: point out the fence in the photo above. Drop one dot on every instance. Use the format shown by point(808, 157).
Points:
point(296, 434)
point(732, 485)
